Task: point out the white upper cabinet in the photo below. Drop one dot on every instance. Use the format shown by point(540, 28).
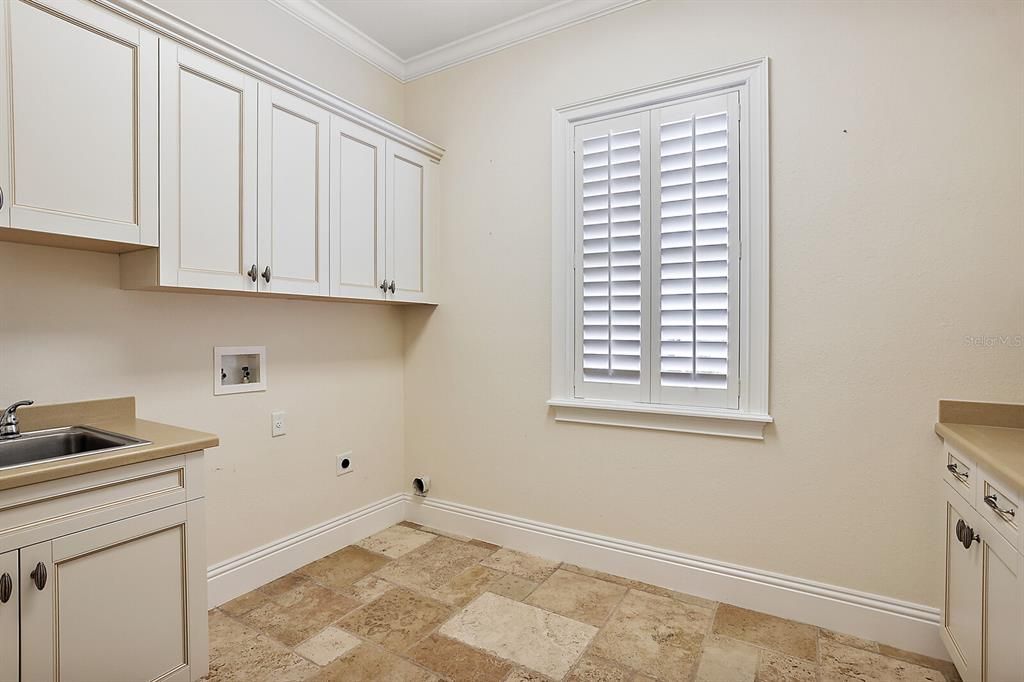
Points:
point(78, 124)
point(410, 188)
point(294, 168)
point(357, 211)
point(208, 172)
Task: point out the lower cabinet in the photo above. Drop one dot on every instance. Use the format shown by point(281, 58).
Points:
point(121, 601)
point(983, 606)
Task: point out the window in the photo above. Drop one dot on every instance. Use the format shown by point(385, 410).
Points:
point(660, 237)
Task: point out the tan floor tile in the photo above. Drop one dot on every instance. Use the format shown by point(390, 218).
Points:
point(227, 634)
point(458, 662)
point(466, 586)
point(445, 534)
point(315, 608)
point(655, 635)
point(534, 638)
point(433, 565)
point(521, 564)
point(329, 644)
point(244, 604)
point(778, 634)
point(841, 663)
point(485, 545)
point(365, 590)
point(368, 663)
point(848, 640)
point(344, 567)
point(945, 667)
point(396, 620)
point(776, 667)
point(240, 654)
point(593, 669)
point(410, 524)
point(396, 541)
point(579, 597)
point(727, 660)
point(513, 587)
point(642, 586)
point(526, 675)
point(286, 590)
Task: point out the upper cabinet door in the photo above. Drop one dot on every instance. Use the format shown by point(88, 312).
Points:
point(78, 130)
point(357, 211)
point(294, 231)
point(411, 223)
point(208, 172)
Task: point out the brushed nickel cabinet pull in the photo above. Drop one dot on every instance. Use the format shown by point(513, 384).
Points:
point(392, 287)
point(961, 475)
point(253, 272)
point(993, 501)
point(266, 274)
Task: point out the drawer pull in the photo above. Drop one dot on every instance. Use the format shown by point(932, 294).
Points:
point(993, 502)
point(961, 475)
point(6, 588)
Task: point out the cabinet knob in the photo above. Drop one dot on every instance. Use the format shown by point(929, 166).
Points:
point(1, 197)
point(6, 588)
point(391, 288)
point(384, 286)
point(266, 274)
point(39, 576)
point(965, 534)
point(253, 272)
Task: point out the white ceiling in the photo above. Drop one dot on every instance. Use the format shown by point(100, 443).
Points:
point(412, 38)
point(411, 27)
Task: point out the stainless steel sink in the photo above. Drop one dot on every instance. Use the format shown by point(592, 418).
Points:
point(64, 443)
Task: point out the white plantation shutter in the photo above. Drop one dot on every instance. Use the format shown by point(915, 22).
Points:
point(611, 171)
point(657, 255)
point(660, 288)
point(695, 226)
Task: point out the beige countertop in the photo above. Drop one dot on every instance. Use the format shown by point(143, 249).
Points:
point(990, 433)
point(117, 415)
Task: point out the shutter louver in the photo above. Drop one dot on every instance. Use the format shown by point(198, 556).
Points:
point(694, 258)
point(612, 208)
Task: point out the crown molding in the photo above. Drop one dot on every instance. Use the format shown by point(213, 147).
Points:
point(527, 27)
point(329, 24)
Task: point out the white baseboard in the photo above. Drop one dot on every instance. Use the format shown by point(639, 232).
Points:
point(901, 624)
point(239, 575)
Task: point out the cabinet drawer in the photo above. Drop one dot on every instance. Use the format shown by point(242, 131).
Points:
point(959, 472)
point(43, 511)
point(1000, 507)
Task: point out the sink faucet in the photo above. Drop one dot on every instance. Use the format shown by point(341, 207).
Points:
point(9, 420)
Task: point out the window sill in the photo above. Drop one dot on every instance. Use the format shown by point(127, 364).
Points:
point(708, 421)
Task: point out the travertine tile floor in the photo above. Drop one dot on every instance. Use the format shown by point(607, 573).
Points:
point(414, 605)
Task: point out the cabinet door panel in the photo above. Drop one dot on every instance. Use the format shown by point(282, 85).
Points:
point(9, 616)
point(294, 173)
point(115, 603)
point(357, 210)
point(961, 613)
point(410, 221)
point(1003, 610)
point(81, 123)
point(207, 172)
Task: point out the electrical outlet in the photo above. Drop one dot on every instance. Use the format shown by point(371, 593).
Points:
point(344, 464)
point(277, 424)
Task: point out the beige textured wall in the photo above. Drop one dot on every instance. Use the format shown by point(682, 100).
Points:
point(897, 230)
point(68, 332)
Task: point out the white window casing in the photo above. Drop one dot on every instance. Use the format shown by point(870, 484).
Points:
point(660, 256)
